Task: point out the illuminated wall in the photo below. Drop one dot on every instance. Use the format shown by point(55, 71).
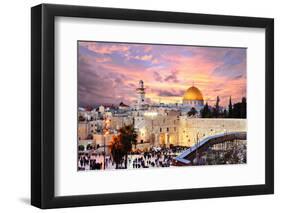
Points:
point(190, 129)
point(181, 130)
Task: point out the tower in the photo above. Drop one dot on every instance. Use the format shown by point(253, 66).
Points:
point(140, 95)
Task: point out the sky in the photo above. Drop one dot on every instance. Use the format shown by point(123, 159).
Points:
point(108, 73)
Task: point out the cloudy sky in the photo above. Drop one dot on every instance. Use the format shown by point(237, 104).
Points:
point(108, 73)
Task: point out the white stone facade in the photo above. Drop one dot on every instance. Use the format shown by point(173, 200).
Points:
point(182, 130)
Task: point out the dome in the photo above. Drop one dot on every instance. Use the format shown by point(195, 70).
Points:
point(193, 93)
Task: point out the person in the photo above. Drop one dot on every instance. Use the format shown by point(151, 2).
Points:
point(106, 162)
point(81, 162)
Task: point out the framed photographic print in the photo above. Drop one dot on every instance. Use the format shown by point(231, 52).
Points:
point(139, 106)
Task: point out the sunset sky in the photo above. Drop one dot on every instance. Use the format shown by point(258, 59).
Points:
point(108, 73)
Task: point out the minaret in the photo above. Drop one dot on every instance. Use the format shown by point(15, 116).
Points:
point(141, 95)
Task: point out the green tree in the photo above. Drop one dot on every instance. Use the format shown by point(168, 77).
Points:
point(128, 137)
point(216, 110)
point(206, 112)
point(230, 110)
point(236, 110)
point(89, 147)
point(240, 109)
point(192, 112)
point(224, 113)
point(244, 108)
point(121, 145)
point(117, 150)
point(81, 148)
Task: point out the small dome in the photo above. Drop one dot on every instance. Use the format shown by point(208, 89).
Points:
point(193, 94)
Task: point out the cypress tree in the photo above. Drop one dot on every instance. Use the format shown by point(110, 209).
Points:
point(230, 110)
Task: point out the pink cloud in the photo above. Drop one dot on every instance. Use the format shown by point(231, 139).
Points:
point(172, 72)
point(103, 60)
point(144, 57)
point(104, 48)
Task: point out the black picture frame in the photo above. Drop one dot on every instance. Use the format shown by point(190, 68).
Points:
point(43, 102)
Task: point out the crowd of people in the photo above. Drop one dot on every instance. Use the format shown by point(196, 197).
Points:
point(234, 153)
point(158, 157)
point(155, 157)
point(89, 162)
point(227, 153)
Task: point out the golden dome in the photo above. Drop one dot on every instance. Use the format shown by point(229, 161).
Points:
point(193, 94)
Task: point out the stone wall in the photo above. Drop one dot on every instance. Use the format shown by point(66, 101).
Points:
point(183, 130)
point(191, 129)
point(169, 129)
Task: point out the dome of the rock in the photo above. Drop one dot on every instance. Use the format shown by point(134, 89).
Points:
point(193, 94)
